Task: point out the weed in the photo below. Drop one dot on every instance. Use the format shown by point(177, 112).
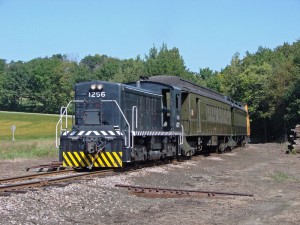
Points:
point(280, 177)
point(294, 152)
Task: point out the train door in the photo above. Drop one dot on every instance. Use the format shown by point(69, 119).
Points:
point(171, 109)
point(177, 109)
point(166, 114)
point(185, 112)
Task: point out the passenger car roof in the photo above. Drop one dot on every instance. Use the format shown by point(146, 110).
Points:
point(188, 86)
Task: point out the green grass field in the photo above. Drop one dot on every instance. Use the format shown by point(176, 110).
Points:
point(34, 135)
point(28, 149)
point(28, 125)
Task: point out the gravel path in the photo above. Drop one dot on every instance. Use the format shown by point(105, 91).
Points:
point(263, 170)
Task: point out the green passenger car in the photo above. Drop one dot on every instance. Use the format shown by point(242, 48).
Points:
point(208, 118)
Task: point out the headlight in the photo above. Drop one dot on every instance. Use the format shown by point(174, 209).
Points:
point(93, 87)
point(100, 87)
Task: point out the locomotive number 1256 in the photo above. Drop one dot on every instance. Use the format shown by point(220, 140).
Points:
point(95, 94)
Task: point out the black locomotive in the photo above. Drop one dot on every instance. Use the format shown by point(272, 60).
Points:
point(151, 119)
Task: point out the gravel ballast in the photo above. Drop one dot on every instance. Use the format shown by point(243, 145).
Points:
point(262, 169)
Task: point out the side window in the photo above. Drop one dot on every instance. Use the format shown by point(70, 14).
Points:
point(177, 101)
point(166, 98)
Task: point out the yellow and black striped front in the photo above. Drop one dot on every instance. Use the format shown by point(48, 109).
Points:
point(103, 159)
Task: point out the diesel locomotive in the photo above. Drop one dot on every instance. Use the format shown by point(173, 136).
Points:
point(151, 119)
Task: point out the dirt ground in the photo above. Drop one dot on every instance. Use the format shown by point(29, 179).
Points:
point(17, 167)
point(263, 170)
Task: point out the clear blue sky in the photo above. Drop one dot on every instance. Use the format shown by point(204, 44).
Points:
point(207, 32)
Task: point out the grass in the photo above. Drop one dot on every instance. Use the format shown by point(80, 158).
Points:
point(294, 152)
point(29, 149)
point(28, 125)
point(34, 135)
point(280, 177)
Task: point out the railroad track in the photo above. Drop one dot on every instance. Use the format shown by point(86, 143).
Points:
point(9, 185)
point(33, 176)
point(7, 189)
point(158, 192)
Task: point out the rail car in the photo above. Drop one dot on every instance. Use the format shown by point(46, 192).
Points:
point(155, 118)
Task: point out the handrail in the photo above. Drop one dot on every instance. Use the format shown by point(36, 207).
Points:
point(134, 109)
point(63, 111)
point(181, 136)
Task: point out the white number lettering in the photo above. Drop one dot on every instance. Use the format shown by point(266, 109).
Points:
point(96, 94)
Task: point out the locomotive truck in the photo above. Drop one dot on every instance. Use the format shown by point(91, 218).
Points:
point(153, 118)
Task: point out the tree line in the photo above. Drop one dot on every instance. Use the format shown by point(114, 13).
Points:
point(267, 80)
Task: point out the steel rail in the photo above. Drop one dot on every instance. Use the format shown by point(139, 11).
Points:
point(156, 190)
point(32, 176)
point(48, 182)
